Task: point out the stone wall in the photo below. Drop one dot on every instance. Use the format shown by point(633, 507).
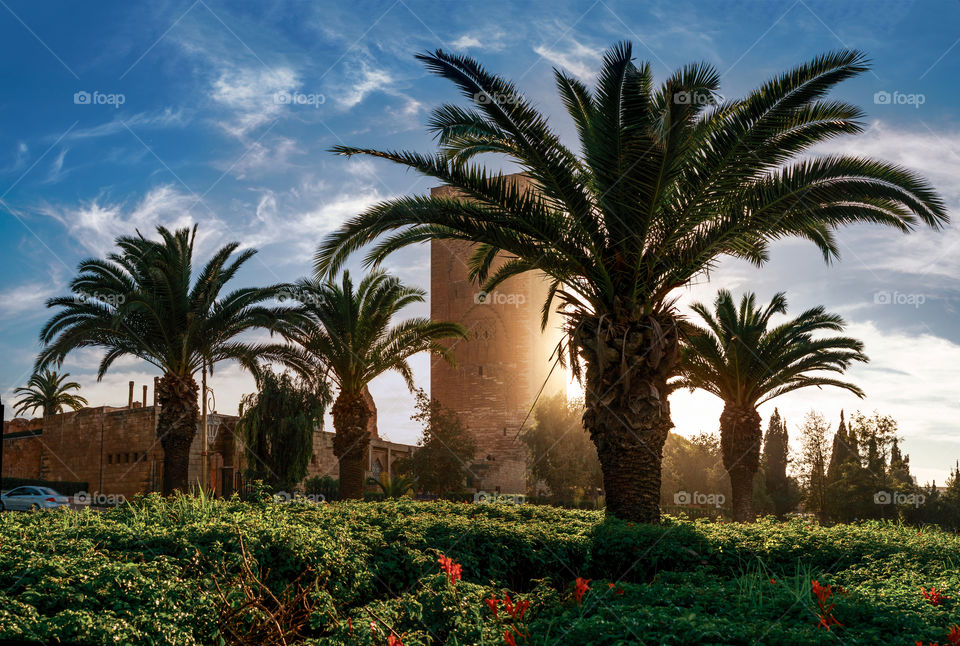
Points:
point(501, 366)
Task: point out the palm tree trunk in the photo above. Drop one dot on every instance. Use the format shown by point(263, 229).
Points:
point(627, 411)
point(176, 427)
point(351, 417)
point(740, 440)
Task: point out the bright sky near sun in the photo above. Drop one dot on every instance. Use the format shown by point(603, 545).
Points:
point(120, 116)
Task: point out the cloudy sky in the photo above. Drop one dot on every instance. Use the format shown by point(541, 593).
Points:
point(120, 116)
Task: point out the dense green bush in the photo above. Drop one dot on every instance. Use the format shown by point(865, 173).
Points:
point(195, 571)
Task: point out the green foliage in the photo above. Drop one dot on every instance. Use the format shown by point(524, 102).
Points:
point(326, 486)
point(560, 452)
point(692, 465)
point(277, 425)
point(45, 390)
point(446, 449)
point(396, 487)
point(171, 571)
point(781, 490)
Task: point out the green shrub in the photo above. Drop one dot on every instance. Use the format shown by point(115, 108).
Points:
point(187, 570)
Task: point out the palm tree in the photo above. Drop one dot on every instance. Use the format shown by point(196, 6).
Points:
point(46, 391)
point(345, 332)
point(666, 182)
point(742, 360)
point(395, 487)
point(144, 301)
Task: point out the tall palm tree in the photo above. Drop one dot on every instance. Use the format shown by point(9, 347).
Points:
point(144, 301)
point(346, 333)
point(46, 391)
point(666, 182)
point(742, 360)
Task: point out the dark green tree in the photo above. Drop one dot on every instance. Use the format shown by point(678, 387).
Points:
point(446, 449)
point(776, 450)
point(666, 180)
point(277, 425)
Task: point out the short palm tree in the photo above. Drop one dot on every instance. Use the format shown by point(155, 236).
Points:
point(667, 181)
point(742, 360)
point(144, 301)
point(395, 487)
point(46, 391)
point(345, 332)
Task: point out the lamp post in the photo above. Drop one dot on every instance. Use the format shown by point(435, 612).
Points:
point(206, 439)
point(2, 508)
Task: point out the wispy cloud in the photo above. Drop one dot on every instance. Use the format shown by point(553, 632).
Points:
point(572, 55)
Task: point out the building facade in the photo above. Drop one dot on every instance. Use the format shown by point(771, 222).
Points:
point(504, 365)
point(115, 450)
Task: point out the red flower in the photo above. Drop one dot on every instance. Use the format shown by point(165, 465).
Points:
point(773, 581)
point(954, 635)
point(350, 624)
point(394, 641)
point(373, 627)
point(823, 594)
point(580, 588)
point(493, 604)
point(933, 596)
point(453, 570)
point(508, 638)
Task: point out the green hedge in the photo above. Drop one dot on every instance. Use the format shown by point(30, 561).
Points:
point(177, 571)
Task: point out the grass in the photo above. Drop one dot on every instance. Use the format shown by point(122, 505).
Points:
point(200, 571)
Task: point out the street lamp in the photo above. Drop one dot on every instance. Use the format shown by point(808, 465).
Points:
point(207, 434)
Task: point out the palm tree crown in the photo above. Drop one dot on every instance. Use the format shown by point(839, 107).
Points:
point(47, 391)
point(742, 360)
point(143, 301)
point(666, 181)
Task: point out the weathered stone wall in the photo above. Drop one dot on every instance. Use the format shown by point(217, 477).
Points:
point(501, 367)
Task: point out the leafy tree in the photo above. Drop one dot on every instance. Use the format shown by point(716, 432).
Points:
point(693, 465)
point(277, 425)
point(46, 391)
point(345, 332)
point(326, 486)
point(813, 460)
point(666, 181)
point(743, 360)
point(144, 301)
point(559, 452)
point(446, 448)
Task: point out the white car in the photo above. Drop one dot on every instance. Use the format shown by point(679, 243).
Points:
point(33, 499)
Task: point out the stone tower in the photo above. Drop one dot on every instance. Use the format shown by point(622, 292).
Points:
point(503, 364)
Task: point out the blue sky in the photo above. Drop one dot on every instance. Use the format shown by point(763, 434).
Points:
point(121, 116)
